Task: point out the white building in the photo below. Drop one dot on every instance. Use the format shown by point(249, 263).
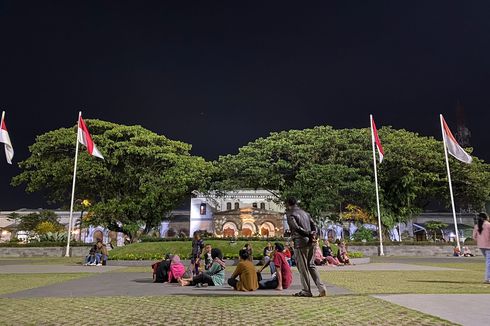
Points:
point(8, 227)
point(242, 212)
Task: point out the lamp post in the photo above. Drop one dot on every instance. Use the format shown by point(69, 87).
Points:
point(85, 203)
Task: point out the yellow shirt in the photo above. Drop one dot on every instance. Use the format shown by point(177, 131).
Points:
point(248, 276)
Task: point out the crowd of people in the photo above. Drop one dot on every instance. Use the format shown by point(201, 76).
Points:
point(207, 267)
point(305, 251)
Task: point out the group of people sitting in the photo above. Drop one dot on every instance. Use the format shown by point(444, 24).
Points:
point(97, 255)
point(326, 256)
point(212, 271)
point(466, 252)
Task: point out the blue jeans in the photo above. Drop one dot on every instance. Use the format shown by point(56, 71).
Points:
point(90, 259)
point(99, 258)
point(486, 254)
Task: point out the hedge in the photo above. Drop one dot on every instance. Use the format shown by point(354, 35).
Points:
point(157, 250)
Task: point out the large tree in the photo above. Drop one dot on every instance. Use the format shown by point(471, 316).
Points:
point(143, 177)
point(329, 169)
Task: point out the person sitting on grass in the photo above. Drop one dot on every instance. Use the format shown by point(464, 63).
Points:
point(288, 255)
point(101, 253)
point(283, 276)
point(248, 248)
point(328, 254)
point(91, 258)
point(176, 270)
point(207, 257)
point(161, 269)
point(467, 252)
point(214, 276)
point(456, 251)
point(247, 273)
point(319, 259)
point(342, 255)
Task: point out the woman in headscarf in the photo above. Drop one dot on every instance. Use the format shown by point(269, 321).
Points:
point(176, 271)
point(215, 275)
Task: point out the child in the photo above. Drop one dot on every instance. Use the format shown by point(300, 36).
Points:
point(207, 258)
point(197, 246)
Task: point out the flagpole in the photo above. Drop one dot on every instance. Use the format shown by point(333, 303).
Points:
point(67, 254)
point(381, 251)
point(450, 183)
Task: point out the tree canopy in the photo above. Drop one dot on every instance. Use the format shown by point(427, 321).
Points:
point(329, 169)
point(143, 177)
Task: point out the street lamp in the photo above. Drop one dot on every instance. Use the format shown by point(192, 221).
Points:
point(85, 203)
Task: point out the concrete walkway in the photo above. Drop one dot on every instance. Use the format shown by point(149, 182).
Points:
point(140, 284)
point(464, 309)
point(53, 269)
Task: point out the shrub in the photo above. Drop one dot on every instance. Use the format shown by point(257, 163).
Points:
point(46, 227)
point(363, 234)
point(356, 254)
point(53, 237)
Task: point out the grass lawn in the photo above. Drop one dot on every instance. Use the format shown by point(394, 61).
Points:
point(467, 279)
point(10, 283)
point(392, 282)
point(187, 310)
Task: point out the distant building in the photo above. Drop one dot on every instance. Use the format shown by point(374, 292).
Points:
point(237, 213)
point(9, 229)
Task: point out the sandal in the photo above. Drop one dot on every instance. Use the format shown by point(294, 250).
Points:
point(303, 294)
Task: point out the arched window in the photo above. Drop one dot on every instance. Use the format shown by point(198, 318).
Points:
point(228, 206)
point(254, 205)
point(237, 205)
point(262, 205)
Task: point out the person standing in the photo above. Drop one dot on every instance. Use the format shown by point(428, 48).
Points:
point(481, 233)
point(197, 246)
point(303, 232)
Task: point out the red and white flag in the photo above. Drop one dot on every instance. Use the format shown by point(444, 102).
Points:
point(377, 142)
point(452, 145)
point(5, 138)
point(85, 139)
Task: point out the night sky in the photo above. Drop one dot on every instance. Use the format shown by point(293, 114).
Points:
point(220, 74)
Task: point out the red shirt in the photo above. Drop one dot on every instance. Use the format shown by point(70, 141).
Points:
point(281, 262)
point(287, 253)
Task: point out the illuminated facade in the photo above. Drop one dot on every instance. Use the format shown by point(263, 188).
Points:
point(238, 213)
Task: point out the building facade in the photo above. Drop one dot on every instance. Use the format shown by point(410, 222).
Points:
point(237, 213)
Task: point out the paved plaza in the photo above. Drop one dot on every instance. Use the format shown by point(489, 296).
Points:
point(121, 281)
